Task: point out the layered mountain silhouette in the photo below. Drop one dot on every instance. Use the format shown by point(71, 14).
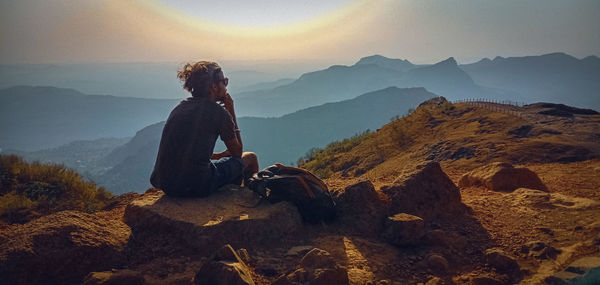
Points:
point(372, 73)
point(43, 117)
point(34, 118)
point(555, 77)
point(283, 139)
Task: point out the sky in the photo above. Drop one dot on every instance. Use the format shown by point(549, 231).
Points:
point(341, 31)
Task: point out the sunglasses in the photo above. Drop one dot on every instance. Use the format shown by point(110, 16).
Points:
point(224, 80)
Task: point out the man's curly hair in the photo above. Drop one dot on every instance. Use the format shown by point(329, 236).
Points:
point(198, 77)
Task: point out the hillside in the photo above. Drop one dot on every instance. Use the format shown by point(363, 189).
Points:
point(400, 220)
point(31, 190)
point(45, 117)
point(282, 139)
point(465, 137)
point(557, 142)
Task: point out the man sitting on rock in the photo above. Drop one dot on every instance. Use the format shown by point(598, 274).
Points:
point(183, 166)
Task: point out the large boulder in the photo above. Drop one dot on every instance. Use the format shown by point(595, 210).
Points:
point(230, 216)
point(404, 230)
point(61, 248)
point(360, 207)
point(225, 267)
point(425, 191)
point(502, 177)
point(317, 267)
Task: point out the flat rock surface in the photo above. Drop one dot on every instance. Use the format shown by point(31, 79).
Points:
point(231, 215)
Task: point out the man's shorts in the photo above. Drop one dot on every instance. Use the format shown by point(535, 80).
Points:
point(227, 170)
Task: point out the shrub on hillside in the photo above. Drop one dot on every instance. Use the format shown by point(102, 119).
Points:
point(318, 160)
point(31, 189)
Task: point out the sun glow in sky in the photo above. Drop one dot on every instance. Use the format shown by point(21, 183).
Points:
point(256, 13)
point(341, 31)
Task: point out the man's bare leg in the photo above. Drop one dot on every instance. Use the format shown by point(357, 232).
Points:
point(251, 164)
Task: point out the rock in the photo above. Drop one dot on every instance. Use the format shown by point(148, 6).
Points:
point(501, 261)
point(434, 281)
point(539, 250)
point(437, 263)
point(114, 277)
point(585, 270)
point(360, 207)
point(224, 267)
point(202, 224)
point(317, 267)
point(425, 191)
point(297, 250)
point(317, 258)
point(61, 248)
point(502, 177)
point(404, 230)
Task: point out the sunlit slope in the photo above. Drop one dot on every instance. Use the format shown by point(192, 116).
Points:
point(462, 137)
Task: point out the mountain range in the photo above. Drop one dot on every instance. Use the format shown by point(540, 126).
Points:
point(35, 118)
point(340, 82)
point(555, 77)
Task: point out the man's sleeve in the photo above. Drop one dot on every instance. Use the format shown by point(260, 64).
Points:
point(226, 128)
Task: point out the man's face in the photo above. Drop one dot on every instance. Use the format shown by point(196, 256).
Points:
point(220, 86)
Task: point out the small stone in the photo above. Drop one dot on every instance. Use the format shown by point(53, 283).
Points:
point(317, 258)
point(225, 267)
point(297, 250)
point(403, 230)
point(437, 263)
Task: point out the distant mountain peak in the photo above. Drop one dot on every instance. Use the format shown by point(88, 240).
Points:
point(392, 63)
point(448, 62)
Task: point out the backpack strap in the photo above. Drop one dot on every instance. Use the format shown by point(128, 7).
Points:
point(309, 176)
point(309, 191)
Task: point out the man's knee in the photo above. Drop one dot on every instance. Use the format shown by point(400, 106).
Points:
point(250, 160)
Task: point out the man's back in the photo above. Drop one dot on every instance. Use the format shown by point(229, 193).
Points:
point(187, 143)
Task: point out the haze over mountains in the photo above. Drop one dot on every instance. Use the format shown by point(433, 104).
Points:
point(35, 118)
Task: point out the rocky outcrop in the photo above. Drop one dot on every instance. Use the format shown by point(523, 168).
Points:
point(61, 248)
point(359, 207)
point(230, 216)
point(539, 250)
point(225, 267)
point(502, 177)
point(425, 191)
point(317, 267)
point(404, 230)
point(501, 261)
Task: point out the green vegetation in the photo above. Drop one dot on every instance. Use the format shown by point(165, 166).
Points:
point(28, 190)
point(317, 160)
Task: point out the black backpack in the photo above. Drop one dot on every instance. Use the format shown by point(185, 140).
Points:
point(278, 183)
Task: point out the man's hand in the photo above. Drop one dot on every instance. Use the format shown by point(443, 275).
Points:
point(219, 155)
point(228, 103)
